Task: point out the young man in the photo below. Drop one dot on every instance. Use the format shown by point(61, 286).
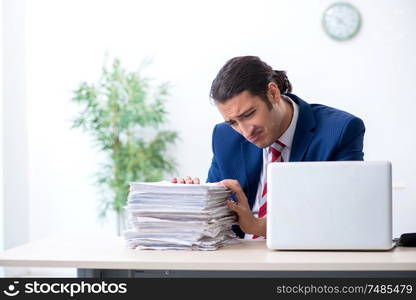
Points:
point(265, 123)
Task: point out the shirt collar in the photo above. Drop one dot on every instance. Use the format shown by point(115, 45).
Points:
point(287, 137)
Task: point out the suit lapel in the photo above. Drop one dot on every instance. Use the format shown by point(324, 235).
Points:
point(304, 129)
point(301, 142)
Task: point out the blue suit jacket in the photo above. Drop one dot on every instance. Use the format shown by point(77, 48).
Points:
point(322, 134)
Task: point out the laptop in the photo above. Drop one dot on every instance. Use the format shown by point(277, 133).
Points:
point(341, 205)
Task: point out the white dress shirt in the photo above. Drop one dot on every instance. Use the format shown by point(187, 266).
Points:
point(287, 139)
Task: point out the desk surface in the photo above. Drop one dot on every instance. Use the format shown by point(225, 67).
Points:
point(111, 253)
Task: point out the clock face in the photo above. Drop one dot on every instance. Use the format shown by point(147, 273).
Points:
point(341, 21)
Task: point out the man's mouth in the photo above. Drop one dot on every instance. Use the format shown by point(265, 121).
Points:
point(254, 137)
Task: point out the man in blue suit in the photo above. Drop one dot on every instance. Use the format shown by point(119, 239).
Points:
point(265, 122)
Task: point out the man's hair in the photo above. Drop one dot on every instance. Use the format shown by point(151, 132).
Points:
point(247, 73)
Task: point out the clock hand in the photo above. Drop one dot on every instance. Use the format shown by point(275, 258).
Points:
point(340, 21)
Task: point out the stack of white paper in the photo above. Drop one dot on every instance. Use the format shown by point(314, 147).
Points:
point(163, 215)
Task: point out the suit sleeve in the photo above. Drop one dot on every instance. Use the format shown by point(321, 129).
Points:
point(214, 174)
point(350, 146)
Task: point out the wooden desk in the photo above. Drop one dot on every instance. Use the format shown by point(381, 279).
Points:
point(108, 257)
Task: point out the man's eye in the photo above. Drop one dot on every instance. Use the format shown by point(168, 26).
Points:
point(249, 114)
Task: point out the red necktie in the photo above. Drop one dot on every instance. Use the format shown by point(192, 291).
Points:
point(276, 151)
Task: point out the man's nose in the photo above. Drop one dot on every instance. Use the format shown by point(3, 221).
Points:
point(246, 129)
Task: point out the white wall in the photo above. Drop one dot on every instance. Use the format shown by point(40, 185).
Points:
point(371, 76)
point(1, 139)
point(14, 132)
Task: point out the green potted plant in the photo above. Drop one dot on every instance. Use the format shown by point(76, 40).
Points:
point(123, 114)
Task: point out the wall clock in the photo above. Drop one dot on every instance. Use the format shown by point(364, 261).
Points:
point(341, 21)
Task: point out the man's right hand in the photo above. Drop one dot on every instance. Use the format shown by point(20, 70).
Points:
point(247, 222)
point(186, 180)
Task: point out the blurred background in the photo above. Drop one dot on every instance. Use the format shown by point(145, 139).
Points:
point(48, 47)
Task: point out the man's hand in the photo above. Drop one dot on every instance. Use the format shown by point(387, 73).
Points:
point(247, 222)
point(186, 180)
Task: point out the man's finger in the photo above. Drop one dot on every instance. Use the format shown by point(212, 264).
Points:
point(232, 205)
point(234, 186)
point(188, 180)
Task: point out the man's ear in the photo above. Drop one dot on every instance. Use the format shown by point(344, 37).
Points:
point(273, 92)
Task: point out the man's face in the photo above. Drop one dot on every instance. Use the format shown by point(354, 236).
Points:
point(251, 117)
